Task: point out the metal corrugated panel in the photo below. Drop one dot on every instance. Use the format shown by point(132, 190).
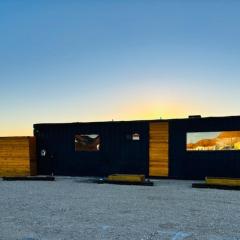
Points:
point(198, 164)
point(117, 153)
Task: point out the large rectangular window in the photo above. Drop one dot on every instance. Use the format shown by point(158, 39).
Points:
point(213, 141)
point(87, 142)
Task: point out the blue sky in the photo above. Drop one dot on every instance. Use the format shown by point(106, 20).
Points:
point(68, 61)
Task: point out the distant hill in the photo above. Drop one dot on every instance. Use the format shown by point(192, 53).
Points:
point(229, 134)
point(203, 143)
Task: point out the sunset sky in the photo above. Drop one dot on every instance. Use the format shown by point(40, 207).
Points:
point(73, 60)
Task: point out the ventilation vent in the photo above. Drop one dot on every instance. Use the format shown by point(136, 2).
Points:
point(194, 116)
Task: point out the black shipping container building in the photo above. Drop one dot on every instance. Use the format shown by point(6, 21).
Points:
point(190, 148)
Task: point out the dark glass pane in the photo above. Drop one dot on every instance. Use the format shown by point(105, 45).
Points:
point(87, 142)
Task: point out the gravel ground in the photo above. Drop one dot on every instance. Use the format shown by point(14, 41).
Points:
point(73, 208)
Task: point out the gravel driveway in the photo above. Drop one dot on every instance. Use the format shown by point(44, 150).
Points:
point(73, 208)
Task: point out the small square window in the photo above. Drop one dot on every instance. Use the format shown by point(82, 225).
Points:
point(135, 136)
point(87, 142)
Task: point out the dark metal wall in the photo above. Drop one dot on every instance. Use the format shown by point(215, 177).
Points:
point(198, 164)
point(117, 153)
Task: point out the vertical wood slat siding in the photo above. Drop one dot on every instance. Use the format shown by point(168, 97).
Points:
point(33, 156)
point(17, 156)
point(158, 149)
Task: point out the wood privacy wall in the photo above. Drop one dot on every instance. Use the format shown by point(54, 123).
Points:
point(158, 149)
point(17, 156)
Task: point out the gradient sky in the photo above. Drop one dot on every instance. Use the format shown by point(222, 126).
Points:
point(69, 61)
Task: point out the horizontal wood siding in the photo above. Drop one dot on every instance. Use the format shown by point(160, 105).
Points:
point(158, 149)
point(17, 156)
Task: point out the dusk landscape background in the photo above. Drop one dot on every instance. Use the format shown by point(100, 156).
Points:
point(73, 61)
point(205, 141)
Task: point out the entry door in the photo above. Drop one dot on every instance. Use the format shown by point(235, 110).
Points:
point(158, 149)
point(134, 154)
point(130, 155)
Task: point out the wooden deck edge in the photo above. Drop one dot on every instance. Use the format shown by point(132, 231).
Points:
point(215, 186)
point(222, 181)
point(30, 178)
point(126, 178)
